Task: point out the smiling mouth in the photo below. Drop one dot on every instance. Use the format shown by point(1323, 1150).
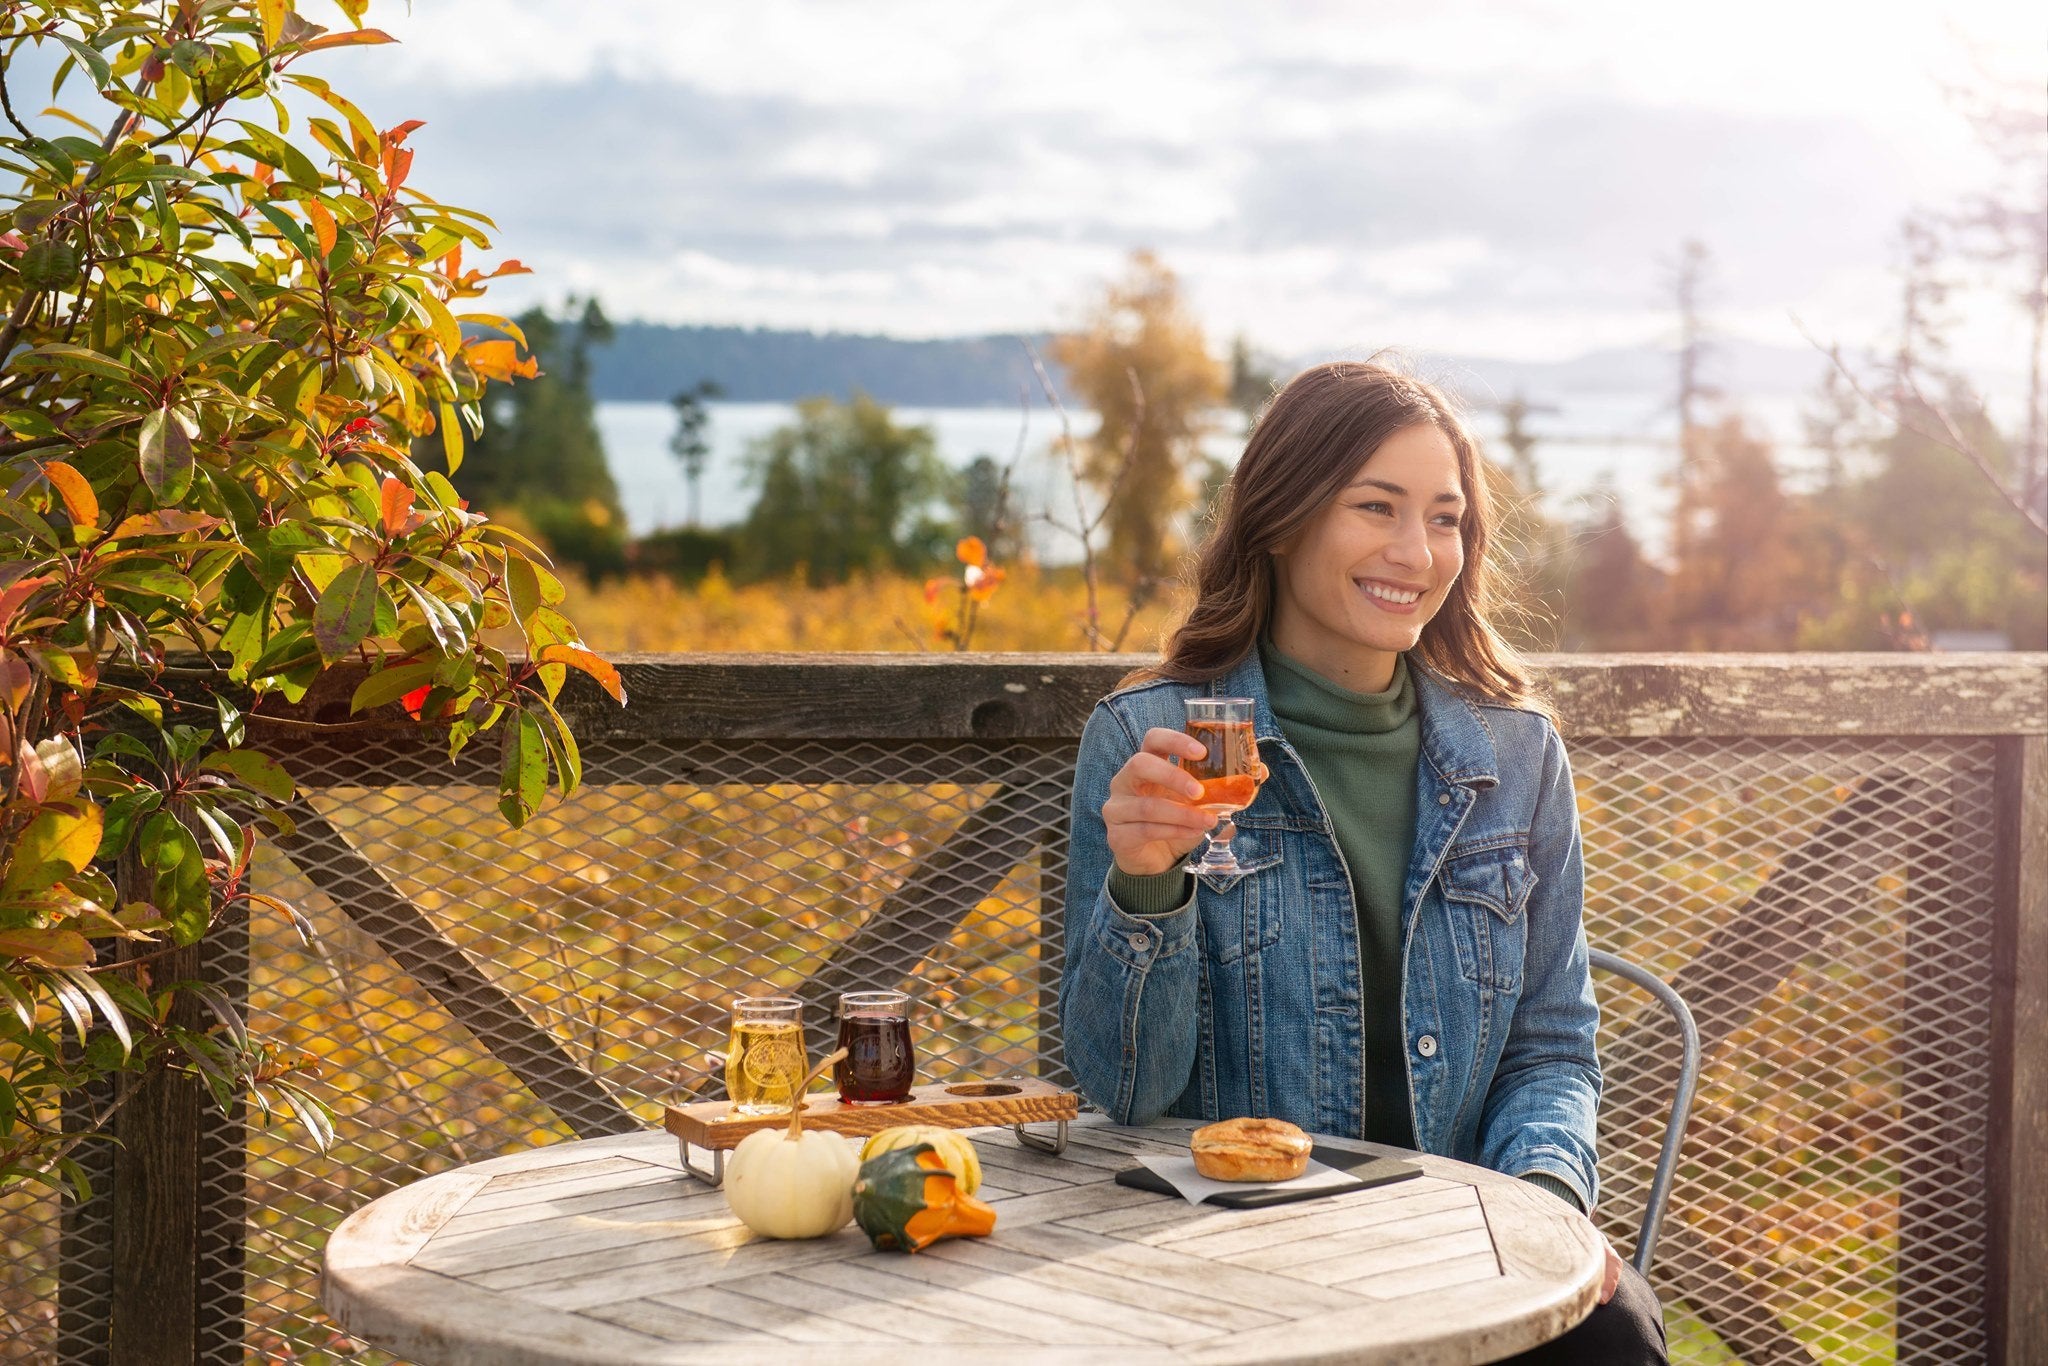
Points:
point(1396, 597)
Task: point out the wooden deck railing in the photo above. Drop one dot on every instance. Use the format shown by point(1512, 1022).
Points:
point(1978, 1120)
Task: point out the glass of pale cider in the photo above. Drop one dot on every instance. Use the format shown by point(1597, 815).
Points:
point(764, 1054)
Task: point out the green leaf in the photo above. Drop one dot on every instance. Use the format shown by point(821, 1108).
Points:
point(165, 447)
point(523, 775)
point(62, 356)
point(101, 71)
point(293, 233)
point(390, 683)
point(49, 264)
point(347, 610)
point(257, 772)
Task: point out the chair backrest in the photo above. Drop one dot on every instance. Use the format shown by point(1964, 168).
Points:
point(1681, 1102)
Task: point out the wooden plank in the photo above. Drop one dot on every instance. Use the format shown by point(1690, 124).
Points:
point(763, 1321)
point(1241, 1231)
point(1163, 1266)
point(558, 1172)
point(653, 1266)
point(977, 1289)
point(1492, 1319)
point(1309, 1263)
point(861, 1312)
point(1537, 1237)
point(1798, 694)
point(652, 1195)
point(670, 1324)
point(1382, 1272)
point(2017, 1289)
point(1443, 1280)
point(391, 1231)
point(1059, 1276)
point(475, 1002)
point(710, 1125)
point(893, 1281)
point(994, 697)
point(423, 1317)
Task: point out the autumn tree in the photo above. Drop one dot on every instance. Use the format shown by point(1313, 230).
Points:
point(1613, 595)
point(1740, 582)
point(1141, 364)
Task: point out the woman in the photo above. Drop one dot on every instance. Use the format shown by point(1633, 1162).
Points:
point(1404, 961)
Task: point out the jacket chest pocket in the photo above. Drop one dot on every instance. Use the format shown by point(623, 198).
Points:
point(1242, 916)
point(1486, 893)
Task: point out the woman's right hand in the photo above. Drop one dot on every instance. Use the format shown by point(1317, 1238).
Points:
point(1150, 823)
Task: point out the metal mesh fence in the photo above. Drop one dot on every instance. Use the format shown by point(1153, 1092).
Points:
point(1824, 905)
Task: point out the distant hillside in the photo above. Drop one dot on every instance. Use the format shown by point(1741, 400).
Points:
point(648, 362)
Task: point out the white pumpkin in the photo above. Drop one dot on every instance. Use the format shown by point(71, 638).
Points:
point(792, 1186)
point(785, 1183)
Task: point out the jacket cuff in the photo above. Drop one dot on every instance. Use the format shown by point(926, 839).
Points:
point(1157, 894)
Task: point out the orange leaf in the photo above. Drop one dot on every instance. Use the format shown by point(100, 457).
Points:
point(353, 38)
point(169, 523)
point(972, 551)
point(397, 504)
point(932, 589)
point(416, 699)
point(511, 267)
point(323, 225)
point(983, 583)
point(600, 669)
point(397, 134)
point(76, 493)
point(499, 360)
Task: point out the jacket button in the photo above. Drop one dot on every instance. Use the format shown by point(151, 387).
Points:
point(1426, 1045)
point(1443, 799)
point(1140, 942)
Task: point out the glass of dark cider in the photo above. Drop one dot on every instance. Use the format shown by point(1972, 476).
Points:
point(879, 1066)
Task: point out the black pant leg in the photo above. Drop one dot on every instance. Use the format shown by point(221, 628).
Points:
point(1628, 1330)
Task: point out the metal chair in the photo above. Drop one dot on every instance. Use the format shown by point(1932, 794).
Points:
point(1681, 1103)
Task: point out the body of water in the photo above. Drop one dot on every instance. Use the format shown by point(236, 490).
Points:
point(1590, 447)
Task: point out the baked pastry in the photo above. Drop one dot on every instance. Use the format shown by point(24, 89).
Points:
point(1250, 1150)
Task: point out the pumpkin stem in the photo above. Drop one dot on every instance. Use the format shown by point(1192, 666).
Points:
point(796, 1095)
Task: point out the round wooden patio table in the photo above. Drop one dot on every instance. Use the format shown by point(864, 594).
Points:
point(605, 1251)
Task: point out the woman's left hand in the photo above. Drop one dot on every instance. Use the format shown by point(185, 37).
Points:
point(1612, 1277)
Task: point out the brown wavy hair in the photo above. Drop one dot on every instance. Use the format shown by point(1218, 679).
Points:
point(1305, 449)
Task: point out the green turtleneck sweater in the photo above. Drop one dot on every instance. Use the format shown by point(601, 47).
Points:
point(1360, 750)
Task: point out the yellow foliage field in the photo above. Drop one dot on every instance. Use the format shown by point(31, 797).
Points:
point(1035, 609)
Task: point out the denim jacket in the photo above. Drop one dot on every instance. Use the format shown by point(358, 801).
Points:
point(1246, 1000)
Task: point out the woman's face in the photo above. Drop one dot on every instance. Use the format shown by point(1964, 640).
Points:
point(1356, 586)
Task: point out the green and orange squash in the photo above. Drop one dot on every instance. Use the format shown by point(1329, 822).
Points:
point(908, 1198)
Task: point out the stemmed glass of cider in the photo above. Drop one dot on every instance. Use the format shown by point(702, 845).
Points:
point(1230, 774)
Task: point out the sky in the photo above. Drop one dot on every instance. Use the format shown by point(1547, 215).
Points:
point(1501, 179)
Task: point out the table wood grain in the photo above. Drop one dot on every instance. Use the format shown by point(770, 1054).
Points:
point(606, 1251)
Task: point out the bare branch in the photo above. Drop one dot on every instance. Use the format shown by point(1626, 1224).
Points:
point(1950, 438)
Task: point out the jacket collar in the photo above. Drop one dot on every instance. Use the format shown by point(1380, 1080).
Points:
point(1455, 738)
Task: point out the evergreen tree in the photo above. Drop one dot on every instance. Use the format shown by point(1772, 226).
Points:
point(845, 489)
point(541, 455)
point(687, 444)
